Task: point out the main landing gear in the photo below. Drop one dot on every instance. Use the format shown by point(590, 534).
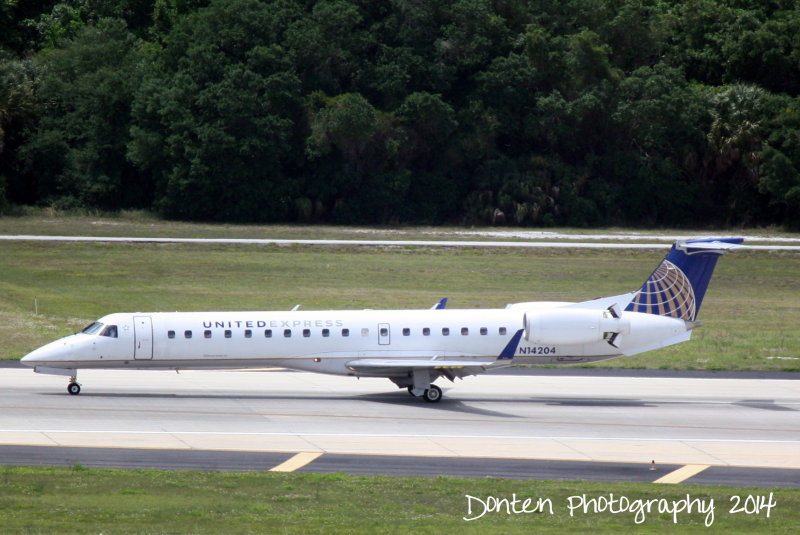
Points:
point(433, 394)
point(73, 387)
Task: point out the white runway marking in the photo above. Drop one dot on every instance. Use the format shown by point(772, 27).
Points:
point(389, 435)
point(375, 243)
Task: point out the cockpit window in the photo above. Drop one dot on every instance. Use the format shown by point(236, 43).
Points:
point(110, 331)
point(93, 328)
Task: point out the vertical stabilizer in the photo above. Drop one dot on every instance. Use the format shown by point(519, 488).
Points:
point(677, 287)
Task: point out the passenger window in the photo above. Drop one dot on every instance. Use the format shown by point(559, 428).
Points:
point(170, 334)
point(502, 331)
point(445, 331)
point(365, 332)
point(110, 331)
point(464, 331)
point(207, 334)
point(248, 333)
point(287, 333)
point(406, 331)
point(426, 331)
point(384, 331)
point(326, 333)
point(227, 333)
point(306, 333)
point(268, 333)
point(187, 334)
point(484, 331)
point(345, 333)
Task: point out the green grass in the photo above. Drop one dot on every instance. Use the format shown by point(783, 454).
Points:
point(48, 221)
point(80, 500)
point(750, 312)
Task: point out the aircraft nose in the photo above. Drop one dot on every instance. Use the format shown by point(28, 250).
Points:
point(52, 351)
point(34, 357)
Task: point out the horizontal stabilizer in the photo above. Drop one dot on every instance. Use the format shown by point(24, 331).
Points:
point(718, 246)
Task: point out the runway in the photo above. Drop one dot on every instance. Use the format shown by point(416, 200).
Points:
point(729, 430)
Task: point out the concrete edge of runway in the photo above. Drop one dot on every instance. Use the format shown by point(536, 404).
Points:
point(569, 371)
point(398, 465)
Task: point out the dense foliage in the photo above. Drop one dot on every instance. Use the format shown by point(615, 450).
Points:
point(568, 112)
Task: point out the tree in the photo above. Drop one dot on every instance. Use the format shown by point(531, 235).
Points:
point(659, 123)
point(328, 46)
point(509, 87)
point(430, 154)
point(357, 147)
point(18, 82)
point(766, 52)
point(545, 111)
point(779, 160)
point(734, 141)
point(86, 90)
point(215, 127)
point(719, 42)
point(635, 32)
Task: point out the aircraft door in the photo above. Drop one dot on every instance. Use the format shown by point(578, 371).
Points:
point(143, 337)
point(384, 334)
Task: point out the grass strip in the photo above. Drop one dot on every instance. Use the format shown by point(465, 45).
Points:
point(81, 500)
point(48, 290)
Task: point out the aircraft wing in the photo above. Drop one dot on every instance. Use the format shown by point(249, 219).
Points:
point(465, 366)
point(371, 365)
point(450, 368)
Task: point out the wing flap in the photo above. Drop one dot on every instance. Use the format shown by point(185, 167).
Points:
point(393, 366)
point(371, 365)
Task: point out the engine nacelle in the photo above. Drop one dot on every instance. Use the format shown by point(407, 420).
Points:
point(573, 326)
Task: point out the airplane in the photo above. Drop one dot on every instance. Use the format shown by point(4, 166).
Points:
point(412, 348)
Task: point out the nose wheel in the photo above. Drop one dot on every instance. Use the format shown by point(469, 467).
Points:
point(73, 387)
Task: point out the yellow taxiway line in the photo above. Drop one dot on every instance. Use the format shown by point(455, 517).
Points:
point(682, 474)
point(297, 461)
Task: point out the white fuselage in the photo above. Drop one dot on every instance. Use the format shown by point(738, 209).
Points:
point(412, 348)
point(326, 341)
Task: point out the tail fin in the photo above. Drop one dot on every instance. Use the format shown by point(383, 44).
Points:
point(677, 286)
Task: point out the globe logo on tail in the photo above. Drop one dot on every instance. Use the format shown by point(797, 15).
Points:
point(668, 292)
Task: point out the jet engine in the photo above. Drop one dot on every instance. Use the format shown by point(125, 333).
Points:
point(565, 325)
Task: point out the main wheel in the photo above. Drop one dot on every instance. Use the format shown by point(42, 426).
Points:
point(74, 389)
point(433, 394)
